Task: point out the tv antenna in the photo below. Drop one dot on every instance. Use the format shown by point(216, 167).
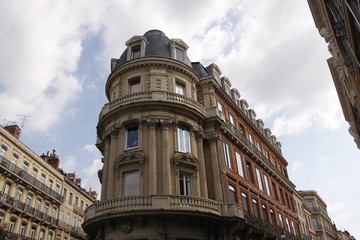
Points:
point(23, 119)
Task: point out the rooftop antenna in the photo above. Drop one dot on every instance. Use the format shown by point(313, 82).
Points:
point(23, 118)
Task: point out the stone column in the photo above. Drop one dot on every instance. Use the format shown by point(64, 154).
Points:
point(152, 157)
point(105, 168)
point(202, 170)
point(111, 169)
point(166, 174)
point(216, 169)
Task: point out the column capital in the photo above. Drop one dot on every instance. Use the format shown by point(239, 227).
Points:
point(114, 133)
point(165, 123)
point(199, 136)
point(151, 122)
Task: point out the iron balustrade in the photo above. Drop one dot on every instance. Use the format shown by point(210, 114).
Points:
point(321, 211)
point(15, 170)
point(6, 235)
point(268, 227)
point(27, 209)
point(238, 134)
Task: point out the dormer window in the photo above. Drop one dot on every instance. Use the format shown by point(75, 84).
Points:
point(135, 51)
point(178, 49)
point(136, 47)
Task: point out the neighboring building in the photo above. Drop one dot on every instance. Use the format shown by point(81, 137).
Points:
point(344, 235)
point(321, 221)
point(37, 199)
point(184, 157)
point(304, 215)
point(338, 23)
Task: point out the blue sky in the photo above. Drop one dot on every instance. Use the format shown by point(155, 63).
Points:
point(55, 59)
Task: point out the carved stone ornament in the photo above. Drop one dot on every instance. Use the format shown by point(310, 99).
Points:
point(126, 227)
point(187, 159)
point(129, 157)
point(162, 231)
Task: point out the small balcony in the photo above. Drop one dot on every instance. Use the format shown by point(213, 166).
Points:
point(153, 96)
point(78, 210)
point(125, 205)
point(16, 173)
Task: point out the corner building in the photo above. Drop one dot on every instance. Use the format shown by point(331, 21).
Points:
point(184, 157)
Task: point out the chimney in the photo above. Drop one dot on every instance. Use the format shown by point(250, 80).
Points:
point(71, 176)
point(53, 159)
point(14, 130)
point(78, 181)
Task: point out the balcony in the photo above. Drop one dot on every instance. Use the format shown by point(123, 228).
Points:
point(27, 211)
point(152, 96)
point(17, 173)
point(320, 211)
point(252, 148)
point(12, 236)
point(77, 232)
point(162, 202)
point(78, 210)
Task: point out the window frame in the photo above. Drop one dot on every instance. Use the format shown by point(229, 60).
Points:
point(129, 128)
point(239, 164)
point(186, 183)
point(227, 155)
point(184, 138)
point(134, 84)
point(125, 185)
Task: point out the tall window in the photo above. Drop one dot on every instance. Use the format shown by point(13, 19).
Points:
point(135, 51)
point(244, 202)
point(239, 164)
point(22, 228)
point(185, 184)
point(61, 215)
point(232, 194)
point(3, 150)
point(134, 85)
point(272, 216)
point(258, 176)
point(231, 119)
point(18, 194)
point(264, 212)
point(249, 172)
point(280, 220)
point(70, 198)
point(267, 188)
point(64, 194)
point(180, 88)
point(25, 167)
point(42, 178)
point(227, 155)
point(184, 139)
point(251, 139)
point(34, 172)
point(14, 161)
point(51, 182)
point(258, 145)
point(57, 188)
point(179, 54)
point(132, 137)
point(255, 207)
point(220, 107)
point(131, 183)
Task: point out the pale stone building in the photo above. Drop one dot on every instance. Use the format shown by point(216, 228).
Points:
point(184, 157)
point(37, 199)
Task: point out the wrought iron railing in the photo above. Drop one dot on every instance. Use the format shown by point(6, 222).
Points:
point(6, 235)
point(237, 133)
point(20, 173)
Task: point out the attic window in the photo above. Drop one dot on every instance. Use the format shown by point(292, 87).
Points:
point(179, 54)
point(135, 51)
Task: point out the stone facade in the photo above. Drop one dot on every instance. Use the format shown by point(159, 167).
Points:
point(37, 199)
point(184, 157)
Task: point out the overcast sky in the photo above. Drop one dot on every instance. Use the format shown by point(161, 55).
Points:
point(55, 59)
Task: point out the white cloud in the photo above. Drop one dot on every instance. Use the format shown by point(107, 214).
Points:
point(295, 166)
point(91, 148)
point(91, 180)
point(69, 164)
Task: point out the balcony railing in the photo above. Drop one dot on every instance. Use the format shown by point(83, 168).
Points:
point(12, 236)
point(165, 202)
point(152, 96)
point(237, 133)
point(320, 210)
point(12, 169)
point(78, 210)
point(17, 205)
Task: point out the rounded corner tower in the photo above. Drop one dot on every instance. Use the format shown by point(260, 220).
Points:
point(162, 139)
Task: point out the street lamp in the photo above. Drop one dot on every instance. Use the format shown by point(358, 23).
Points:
point(283, 235)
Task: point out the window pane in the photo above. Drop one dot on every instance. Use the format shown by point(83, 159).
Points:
point(134, 85)
point(227, 155)
point(135, 52)
point(132, 137)
point(267, 185)
point(180, 88)
point(179, 54)
point(258, 176)
point(131, 183)
point(255, 208)
point(185, 184)
point(244, 201)
point(239, 164)
point(184, 139)
point(232, 194)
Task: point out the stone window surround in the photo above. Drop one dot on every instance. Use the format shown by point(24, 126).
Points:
point(180, 44)
point(132, 42)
